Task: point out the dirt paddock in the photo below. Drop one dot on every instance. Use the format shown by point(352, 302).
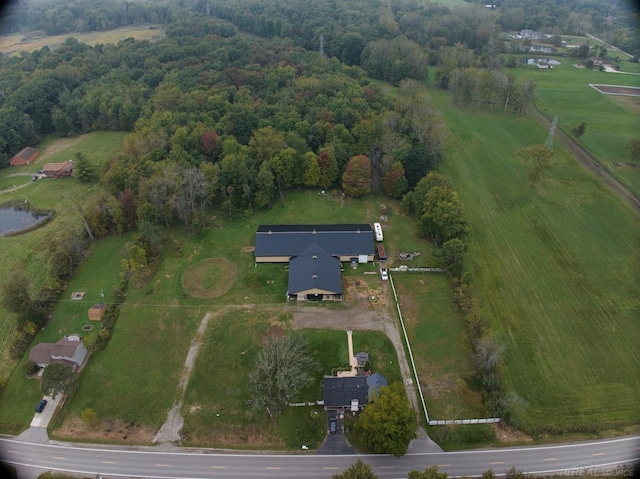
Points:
point(616, 89)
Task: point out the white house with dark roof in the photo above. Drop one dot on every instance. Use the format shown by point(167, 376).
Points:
point(69, 351)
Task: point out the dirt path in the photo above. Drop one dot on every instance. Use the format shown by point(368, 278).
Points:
point(170, 430)
point(589, 161)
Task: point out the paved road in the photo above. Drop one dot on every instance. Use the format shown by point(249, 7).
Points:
point(181, 463)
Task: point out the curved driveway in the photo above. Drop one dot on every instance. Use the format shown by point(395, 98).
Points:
point(181, 463)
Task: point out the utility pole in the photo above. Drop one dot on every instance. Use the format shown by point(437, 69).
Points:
point(552, 130)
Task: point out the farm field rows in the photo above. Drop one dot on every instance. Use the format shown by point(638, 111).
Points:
point(555, 268)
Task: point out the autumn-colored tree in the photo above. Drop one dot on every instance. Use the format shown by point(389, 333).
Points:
point(394, 181)
point(328, 167)
point(356, 180)
point(210, 144)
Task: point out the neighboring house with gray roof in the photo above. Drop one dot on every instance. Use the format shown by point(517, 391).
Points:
point(69, 351)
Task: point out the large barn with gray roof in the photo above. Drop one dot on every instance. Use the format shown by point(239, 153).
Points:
point(314, 253)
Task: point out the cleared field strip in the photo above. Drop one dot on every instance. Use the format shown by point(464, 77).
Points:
point(616, 89)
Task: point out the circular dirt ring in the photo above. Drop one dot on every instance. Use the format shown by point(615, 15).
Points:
point(210, 278)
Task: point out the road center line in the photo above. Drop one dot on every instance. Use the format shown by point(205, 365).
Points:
point(14, 452)
point(599, 454)
point(387, 467)
point(109, 462)
point(443, 465)
point(330, 468)
point(498, 462)
point(163, 465)
point(551, 459)
point(274, 468)
point(218, 467)
point(58, 457)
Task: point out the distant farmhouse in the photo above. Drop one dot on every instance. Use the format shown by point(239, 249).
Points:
point(314, 254)
point(58, 170)
point(24, 157)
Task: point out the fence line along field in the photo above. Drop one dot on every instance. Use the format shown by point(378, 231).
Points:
point(554, 268)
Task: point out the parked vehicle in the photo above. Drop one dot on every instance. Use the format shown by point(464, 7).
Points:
point(41, 405)
point(333, 425)
point(384, 274)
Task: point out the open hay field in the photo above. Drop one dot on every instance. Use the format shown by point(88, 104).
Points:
point(612, 121)
point(29, 251)
point(13, 44)
point(556, 270)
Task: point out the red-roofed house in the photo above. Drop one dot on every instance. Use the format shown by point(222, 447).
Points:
point(24, 157)
point(57, 170)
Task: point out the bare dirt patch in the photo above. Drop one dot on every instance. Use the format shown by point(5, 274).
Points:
point(106, 430)
point(509, 435)
point(248, 249)
point(617, 90)
point(210, 278)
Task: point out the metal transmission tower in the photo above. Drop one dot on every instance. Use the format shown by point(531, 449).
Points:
point(552, 130)
point(322, 45)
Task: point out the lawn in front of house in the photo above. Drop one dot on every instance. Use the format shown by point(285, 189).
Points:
point(29, 252)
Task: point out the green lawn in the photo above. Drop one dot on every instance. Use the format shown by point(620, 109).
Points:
point(556, 271)
point(611, 120)
point(28, 251)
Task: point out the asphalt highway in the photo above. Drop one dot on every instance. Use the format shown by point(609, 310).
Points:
point(573, 459)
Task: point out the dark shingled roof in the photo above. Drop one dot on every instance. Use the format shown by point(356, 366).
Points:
point(338, 392)
point(375, 382)
point(292, 240)
point(315, 268)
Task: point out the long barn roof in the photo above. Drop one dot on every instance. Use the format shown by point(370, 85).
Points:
point(292, 240)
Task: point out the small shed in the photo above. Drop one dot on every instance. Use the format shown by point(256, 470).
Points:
point(24, 156)
point(97, 312)
point(362, 358)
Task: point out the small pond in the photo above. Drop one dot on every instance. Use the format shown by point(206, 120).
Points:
point(14, 219)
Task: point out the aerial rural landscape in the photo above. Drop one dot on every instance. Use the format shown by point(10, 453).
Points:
point(339, 239)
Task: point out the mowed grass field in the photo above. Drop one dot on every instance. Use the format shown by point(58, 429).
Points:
point(611, 120)
point(29, 251)
point(135, 380)
point(556, 268)
point(12, 44)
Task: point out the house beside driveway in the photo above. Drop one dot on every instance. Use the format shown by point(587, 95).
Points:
point(24, 156)
point(68, 350)
point(58, 170)
point(314, 254)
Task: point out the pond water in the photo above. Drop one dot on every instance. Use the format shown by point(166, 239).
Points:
point(12, 219)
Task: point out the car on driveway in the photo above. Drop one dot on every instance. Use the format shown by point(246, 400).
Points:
point(41, 405)
point(333, 425)
point(383, 274)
